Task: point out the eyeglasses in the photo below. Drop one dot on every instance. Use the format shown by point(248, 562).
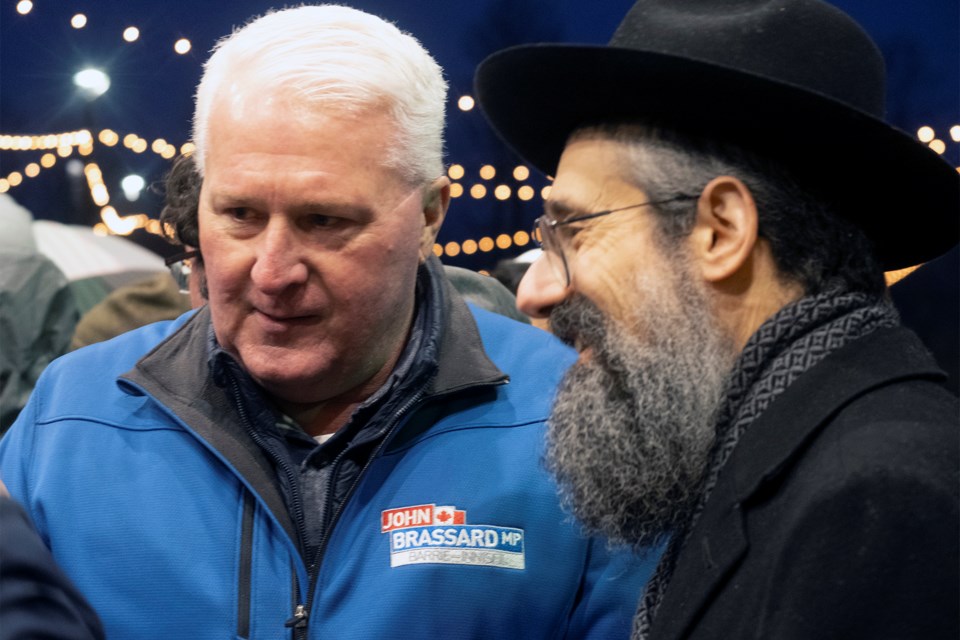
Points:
point(180, 266)
point(546, 236)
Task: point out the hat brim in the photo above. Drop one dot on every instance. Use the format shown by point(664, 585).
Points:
point(899, 191)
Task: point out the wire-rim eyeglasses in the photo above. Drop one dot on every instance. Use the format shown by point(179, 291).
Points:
point(544, 232)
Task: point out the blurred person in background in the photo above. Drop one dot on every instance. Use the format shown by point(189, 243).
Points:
point(37, 310)
point(158, 297)
point(163, 296)
point(511, 271)
point(329, 446)
point(727, 196)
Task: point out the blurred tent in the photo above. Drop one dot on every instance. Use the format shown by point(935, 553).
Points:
point(81, 253)
point(94, 264)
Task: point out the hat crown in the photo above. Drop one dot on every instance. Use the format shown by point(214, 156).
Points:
point(805, 43)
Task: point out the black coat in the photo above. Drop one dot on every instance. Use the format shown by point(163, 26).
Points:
point(836, 516)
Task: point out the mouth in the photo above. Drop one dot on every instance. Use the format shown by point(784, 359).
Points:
point(281, 321)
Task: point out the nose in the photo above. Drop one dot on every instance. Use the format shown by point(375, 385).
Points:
point(279, 261)
point(540, 289)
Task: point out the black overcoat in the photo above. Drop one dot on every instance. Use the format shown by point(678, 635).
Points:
point(836, 516)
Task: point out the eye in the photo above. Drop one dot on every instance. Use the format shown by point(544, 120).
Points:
point(319, 221)
point(239, 213)
point(568, 230)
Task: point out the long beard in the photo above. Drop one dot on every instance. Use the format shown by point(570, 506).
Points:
point(633, 422)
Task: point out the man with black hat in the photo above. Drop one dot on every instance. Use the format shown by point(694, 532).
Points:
point(727, 198)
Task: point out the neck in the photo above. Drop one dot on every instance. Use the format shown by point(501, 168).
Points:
point(320, 418)
point(752, 296)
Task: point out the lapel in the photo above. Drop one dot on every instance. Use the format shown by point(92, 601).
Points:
point(177, 374)
point(719, 541)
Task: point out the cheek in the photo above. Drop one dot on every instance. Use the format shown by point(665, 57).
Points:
point(397, 247)
point(602, 279)
point(225, 270)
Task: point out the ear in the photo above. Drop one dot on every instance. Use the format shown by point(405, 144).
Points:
point(436, 200)
point(725, 233)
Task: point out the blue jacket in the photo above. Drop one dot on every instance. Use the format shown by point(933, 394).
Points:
point(169, 520)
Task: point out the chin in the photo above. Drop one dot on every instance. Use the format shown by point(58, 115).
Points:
point(277, 371)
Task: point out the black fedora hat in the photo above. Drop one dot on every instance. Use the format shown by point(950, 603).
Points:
point(797, 80)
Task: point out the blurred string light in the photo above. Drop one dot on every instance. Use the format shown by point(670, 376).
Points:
point(98, 190)
point(83, 140)
point(45, 141)
point(485, 244)
point(112, 222)
point(78, 21)
point(131, 34)
point(182, 46)
point(24, 7)
point(122, 225)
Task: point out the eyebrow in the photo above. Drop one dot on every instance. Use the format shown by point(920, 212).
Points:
point(230, 201)
point(559, 209)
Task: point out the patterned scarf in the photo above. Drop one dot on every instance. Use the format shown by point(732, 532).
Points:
point(796, 338)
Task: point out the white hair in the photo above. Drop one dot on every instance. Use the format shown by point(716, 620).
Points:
point(334, 56)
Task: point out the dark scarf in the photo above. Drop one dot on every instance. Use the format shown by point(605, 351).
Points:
point(795, 339)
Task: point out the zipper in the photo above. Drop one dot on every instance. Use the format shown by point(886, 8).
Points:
point(299, 620)
point(314, 569)
point(299, 611)
point(297, 502)
point(246, 566)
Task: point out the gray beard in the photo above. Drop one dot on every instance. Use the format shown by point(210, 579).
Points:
point(632, 425)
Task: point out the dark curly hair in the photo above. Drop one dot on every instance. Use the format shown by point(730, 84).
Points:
point(181, 201)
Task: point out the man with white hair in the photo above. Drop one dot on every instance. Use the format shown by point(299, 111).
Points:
point(328, 448)
point(726, 198)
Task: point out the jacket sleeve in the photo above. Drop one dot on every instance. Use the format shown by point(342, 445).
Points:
point(37, 600)
point(607, 599)
point(876, 558)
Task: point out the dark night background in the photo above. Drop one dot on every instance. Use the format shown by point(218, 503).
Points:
point(152, 86)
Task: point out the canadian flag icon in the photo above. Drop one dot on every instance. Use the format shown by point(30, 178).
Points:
point(449, 515)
